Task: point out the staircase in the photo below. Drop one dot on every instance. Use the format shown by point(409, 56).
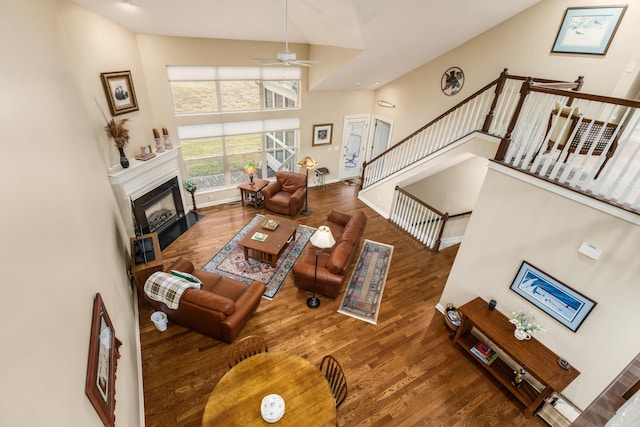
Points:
point(548, 130)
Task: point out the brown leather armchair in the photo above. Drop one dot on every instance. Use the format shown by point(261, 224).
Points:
point(286, 195)
point(219, 309)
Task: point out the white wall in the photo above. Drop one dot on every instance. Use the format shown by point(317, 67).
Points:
point(62, 238)
point(515, 221)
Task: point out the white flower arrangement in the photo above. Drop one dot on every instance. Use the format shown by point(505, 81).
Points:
point(190, 185)
point(524, 322)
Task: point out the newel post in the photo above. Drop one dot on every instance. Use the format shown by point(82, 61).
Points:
point(525, 89)
point(499, 87)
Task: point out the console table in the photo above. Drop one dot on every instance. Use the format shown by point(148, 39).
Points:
point(540, 362)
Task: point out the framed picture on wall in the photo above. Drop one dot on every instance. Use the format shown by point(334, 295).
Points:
point(118, 87)
point(101, 368)
point(588, 30)
point(322, 134)
point(559, 301)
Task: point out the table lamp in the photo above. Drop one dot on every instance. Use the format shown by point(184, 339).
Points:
point(321, 239)
point(250, 169)
point(307, 163)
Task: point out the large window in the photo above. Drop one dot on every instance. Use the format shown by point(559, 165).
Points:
point(216, 90)
point(215, 154)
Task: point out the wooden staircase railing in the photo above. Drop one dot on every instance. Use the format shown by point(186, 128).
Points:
point(488, 110)
point(598, 155)
point(423, 222)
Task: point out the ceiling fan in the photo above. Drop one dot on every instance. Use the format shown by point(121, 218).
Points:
point(286, 57)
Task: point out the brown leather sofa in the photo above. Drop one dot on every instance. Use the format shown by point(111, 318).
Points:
point(219, 309)
point(286, 195)
point(334, 263)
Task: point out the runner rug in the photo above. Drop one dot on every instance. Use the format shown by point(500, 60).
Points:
point(230, 262)
point(364, 291)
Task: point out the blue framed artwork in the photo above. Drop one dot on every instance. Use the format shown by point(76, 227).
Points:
point(559, 301)
point(588, 29)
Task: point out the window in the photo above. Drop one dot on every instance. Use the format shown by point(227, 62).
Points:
point(215, 154)
point(216, 90)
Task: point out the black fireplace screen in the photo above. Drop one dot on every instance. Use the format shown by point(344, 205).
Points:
point(158, 209)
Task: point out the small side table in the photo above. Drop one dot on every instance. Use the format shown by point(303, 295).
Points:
point(142, 271)
point(320, 174)
point(252, 193)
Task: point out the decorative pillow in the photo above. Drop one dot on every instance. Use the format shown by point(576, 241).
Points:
point(187, 276)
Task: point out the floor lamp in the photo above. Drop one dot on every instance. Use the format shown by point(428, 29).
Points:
point(321, 239)
point(307, 163)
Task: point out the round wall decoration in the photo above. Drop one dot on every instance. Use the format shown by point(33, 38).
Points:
point(452, 81)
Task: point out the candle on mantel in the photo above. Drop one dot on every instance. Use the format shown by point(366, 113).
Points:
point(165, 131)
point(156, 134)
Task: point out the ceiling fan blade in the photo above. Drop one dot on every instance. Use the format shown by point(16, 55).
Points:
point(267, 61)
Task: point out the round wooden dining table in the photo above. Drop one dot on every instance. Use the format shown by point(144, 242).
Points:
point(236, 399)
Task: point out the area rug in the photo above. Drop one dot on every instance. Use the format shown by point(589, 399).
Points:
point(230, 262)
point(364, 291)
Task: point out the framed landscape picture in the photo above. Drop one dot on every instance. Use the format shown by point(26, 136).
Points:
point(121, 95)
point(322, 134)
point(101, 368)
point(588, 29)
point(559, 301)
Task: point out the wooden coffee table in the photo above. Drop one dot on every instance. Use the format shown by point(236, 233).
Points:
point(275, 242)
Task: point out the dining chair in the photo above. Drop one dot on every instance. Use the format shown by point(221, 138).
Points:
point(334, 374)
point(245, 348)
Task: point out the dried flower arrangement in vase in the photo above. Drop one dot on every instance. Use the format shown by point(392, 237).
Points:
point(116, 129)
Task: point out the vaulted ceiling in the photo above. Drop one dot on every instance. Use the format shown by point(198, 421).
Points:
point(393, 36)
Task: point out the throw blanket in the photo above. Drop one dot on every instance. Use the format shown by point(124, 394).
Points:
point(167, 288)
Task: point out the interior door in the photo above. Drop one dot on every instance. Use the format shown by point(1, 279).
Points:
point(354, 140)
point(379, 138)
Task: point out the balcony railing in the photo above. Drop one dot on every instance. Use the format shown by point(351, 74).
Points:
point(587, 143)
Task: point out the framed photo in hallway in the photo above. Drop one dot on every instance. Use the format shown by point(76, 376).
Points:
point(118, 87)
point(322, 134)
point(588, 30)
point(101, 368)
point(559, 301)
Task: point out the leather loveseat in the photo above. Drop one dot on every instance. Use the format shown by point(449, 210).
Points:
point(219, 309)
point(286, 195)
point(334, 263)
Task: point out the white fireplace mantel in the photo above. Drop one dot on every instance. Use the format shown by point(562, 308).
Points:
point(143, 176)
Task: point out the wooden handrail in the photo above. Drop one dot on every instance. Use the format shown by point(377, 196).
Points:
point(499, 83)
point(415, 199)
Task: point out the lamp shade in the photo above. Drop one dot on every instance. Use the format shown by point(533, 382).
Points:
point(323, 238)
point(308, 163)
point(250, 168)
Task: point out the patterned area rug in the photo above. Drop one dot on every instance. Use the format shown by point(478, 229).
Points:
point(230, 262)
point(364, 292)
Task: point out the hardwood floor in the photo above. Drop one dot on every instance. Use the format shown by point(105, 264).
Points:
point(403, 371)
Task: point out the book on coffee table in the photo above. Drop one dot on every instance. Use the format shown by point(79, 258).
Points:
point(260, 237)
point(270, 224)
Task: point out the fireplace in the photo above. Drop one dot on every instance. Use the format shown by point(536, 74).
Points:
point(158, 209)
point(150, 197)
point(161, 211)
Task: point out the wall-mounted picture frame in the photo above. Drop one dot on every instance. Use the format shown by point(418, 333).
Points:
point(118, 87)
point(322, 134)
point(558, 300)
point(588, 30)
point(101, 368)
